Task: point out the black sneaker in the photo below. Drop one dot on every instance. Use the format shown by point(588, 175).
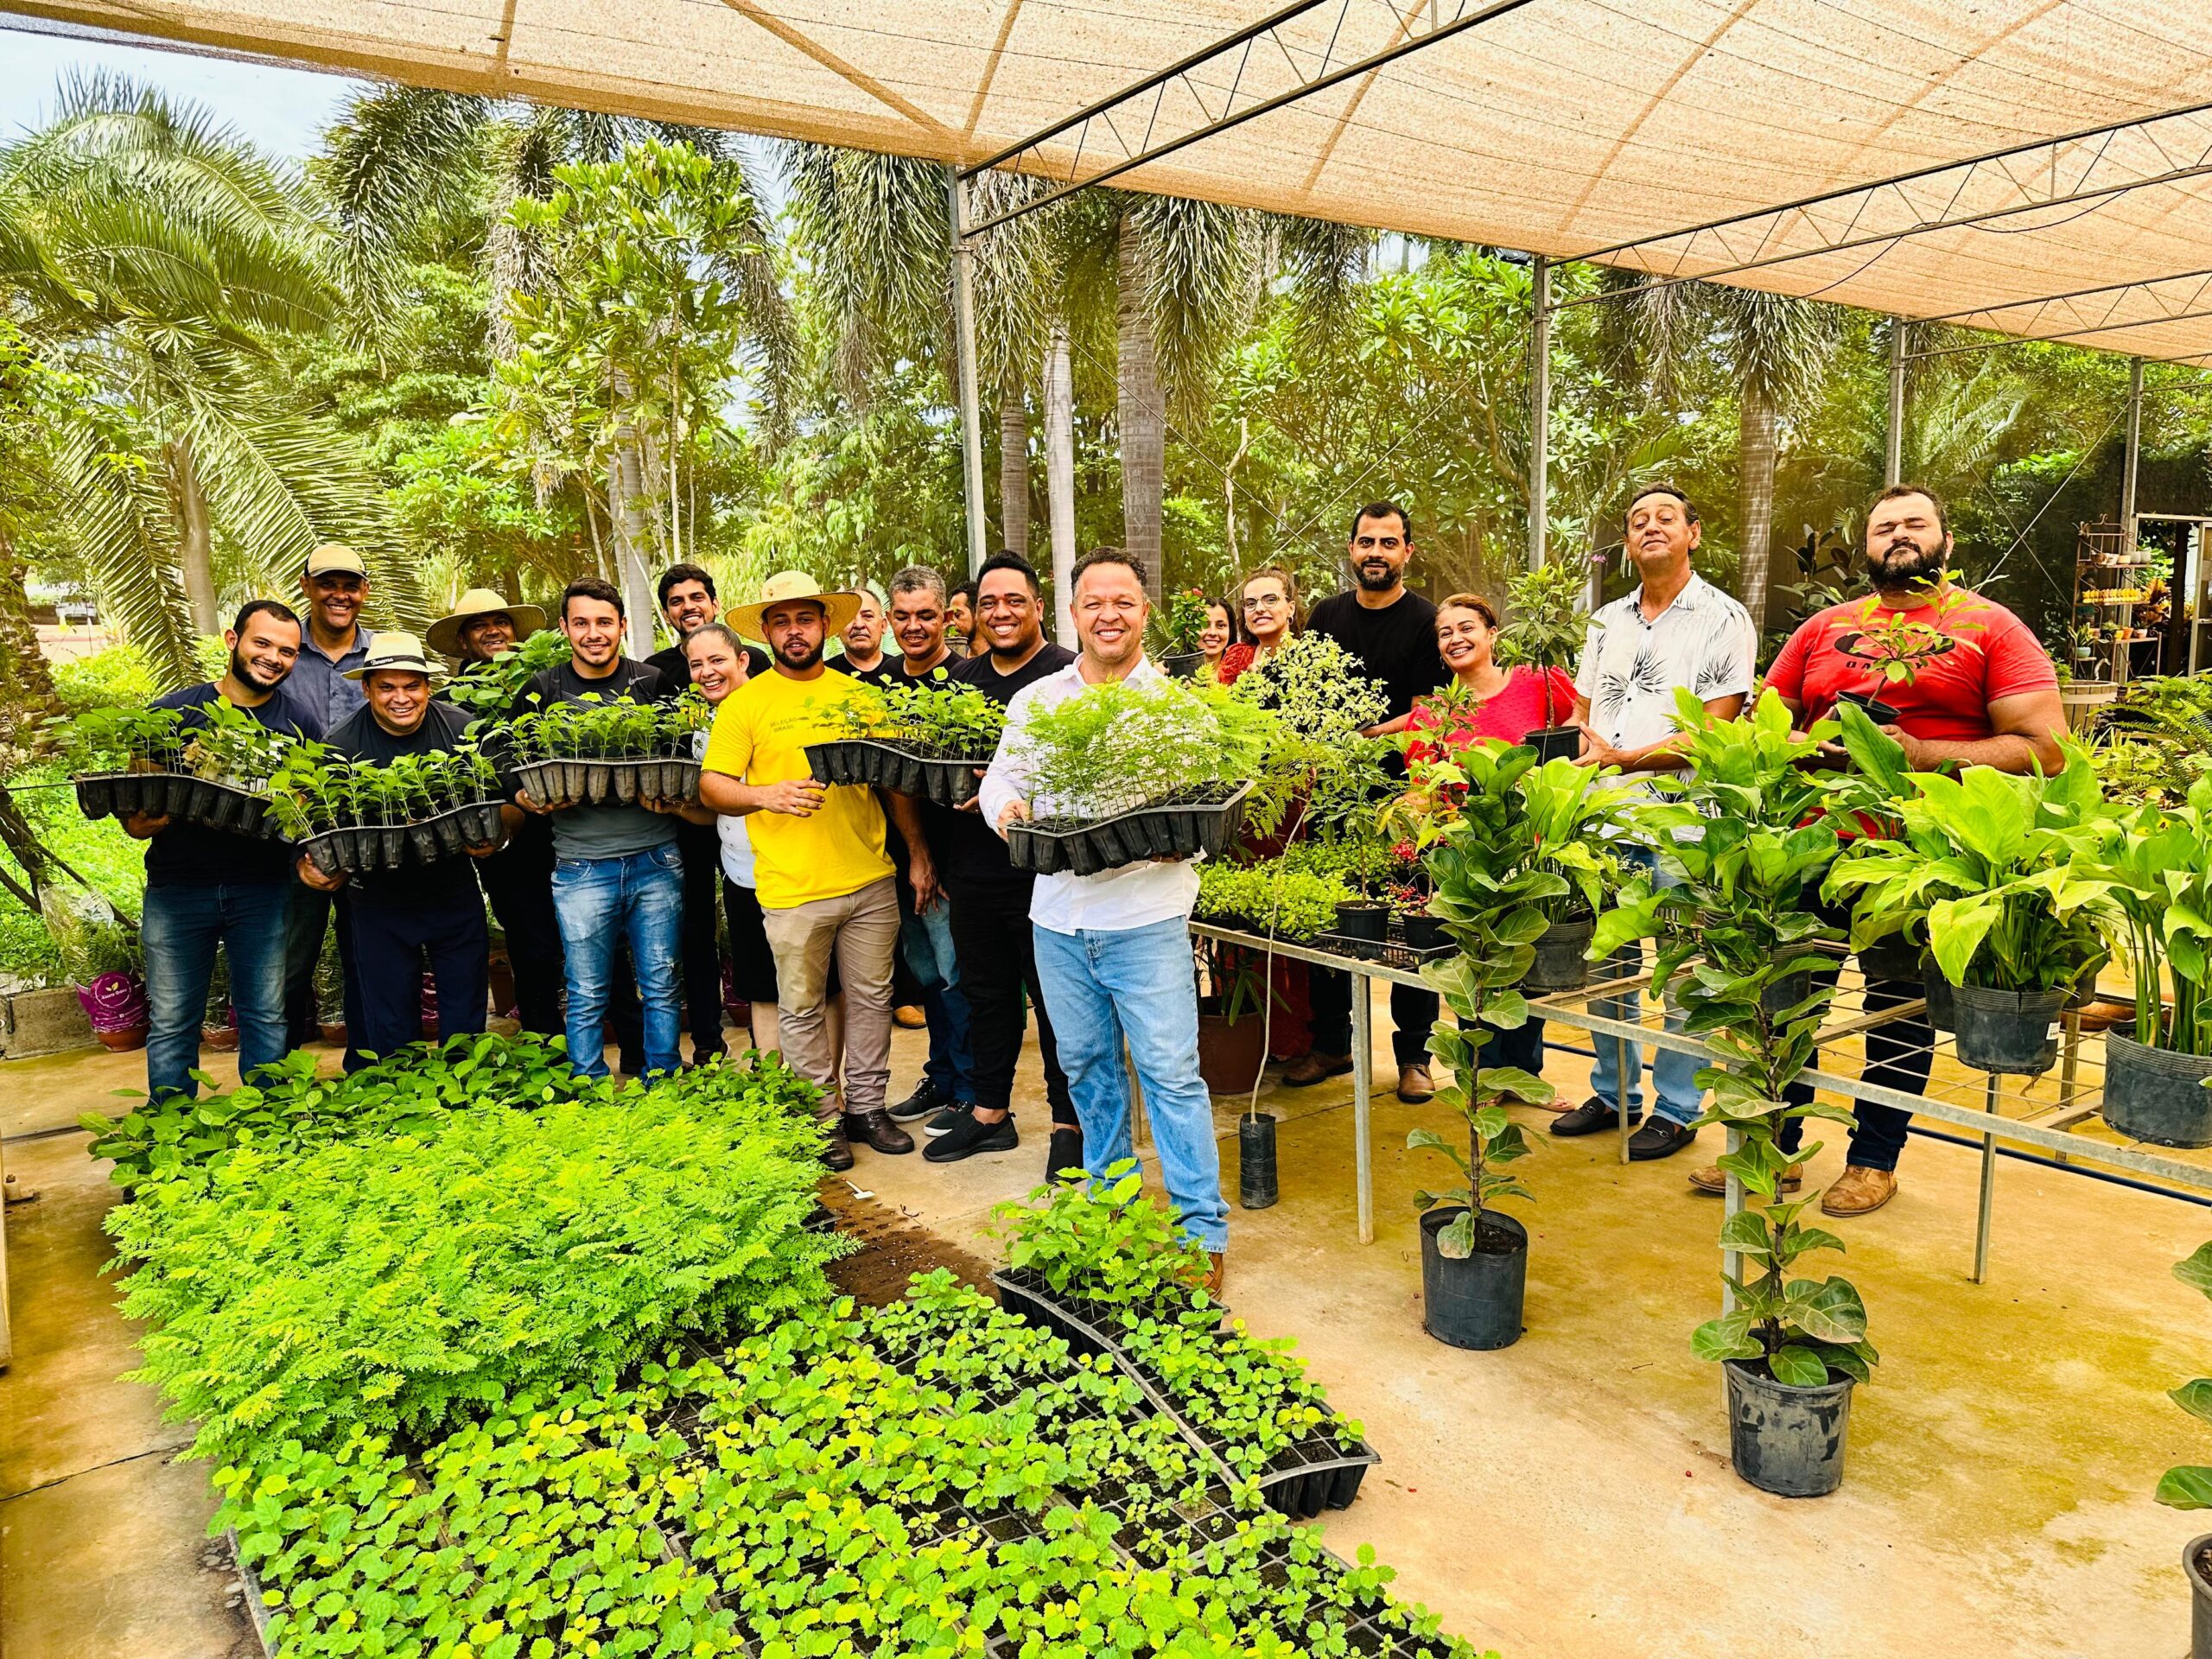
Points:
point(1660, 1138)
point(1592, 1115)
point(955, 1114)
point(1066, 1153)
point(924, 1100)
point(970, 1135)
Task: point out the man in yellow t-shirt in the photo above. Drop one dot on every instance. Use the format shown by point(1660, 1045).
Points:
point(824, 883)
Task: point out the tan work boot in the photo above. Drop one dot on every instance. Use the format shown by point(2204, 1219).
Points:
point(1710, 1179)
point(1859, 1191)
point(1415, 1084)
point(1217, 1274)
point(908, 1017)
point(1313, 1067)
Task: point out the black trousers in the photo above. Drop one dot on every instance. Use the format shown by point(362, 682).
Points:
point(702, 848)
point(518, 881)
point(390, 943)
point(997, 948)
point(1899, 1055)
point(1413, 1012)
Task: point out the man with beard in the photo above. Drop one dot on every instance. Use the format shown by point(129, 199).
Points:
point(1675, 630)
point(989, 899)
point(208, 887)
point(1983, 695)
point(823, 880)
point(517, 878)
point(1392, 632)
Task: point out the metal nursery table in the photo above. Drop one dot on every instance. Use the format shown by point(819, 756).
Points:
point(2053, 1113)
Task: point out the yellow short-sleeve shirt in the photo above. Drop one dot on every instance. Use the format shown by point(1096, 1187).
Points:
point(759, 736)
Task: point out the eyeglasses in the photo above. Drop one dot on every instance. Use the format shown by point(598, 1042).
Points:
point(1263, 604)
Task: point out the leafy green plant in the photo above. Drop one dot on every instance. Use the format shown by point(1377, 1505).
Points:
point(2188, 1487)
point(934, 717)
point(1902, 643)
point(1103, 1239)
point(1546, 626)
point(591, 727)
point(492, 689)
point(118, 739)
point(2157, 864)
point(1117, 746)
point(1289, 903)
point(1488, 896)
point(1741, 946)
point(317, 790)
point(1185, 621)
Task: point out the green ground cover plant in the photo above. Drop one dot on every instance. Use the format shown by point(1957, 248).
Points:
point(405, 1281)
point(1117, 746)
point(1292, 904)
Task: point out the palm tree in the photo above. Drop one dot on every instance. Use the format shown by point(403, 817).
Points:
point(151, 251)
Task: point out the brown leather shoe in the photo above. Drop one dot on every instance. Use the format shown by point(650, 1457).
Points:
point(876, 1129)
point(836, 1150)
point(1710, 1179)
point(908, 1017)
point(1217, 1274)
point(1415, 1085)
point(1859, 1191)
point(1313, 1067)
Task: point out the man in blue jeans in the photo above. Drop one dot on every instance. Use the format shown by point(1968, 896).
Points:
point(205, 888)
point(616, 869)
point(1114, 948)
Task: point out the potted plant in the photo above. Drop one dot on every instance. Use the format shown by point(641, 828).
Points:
point(596, 753)
point(100, 954)
point(363, 814)
point(930, 738)
point(2160, 915)
point(1574, 822)
point(1488, 892)
point(1179, 633)
point(1989, 860)
point(1792, 1348)
point(209, 765)
point(1270, 898)
point(2189, 1487)
point(1547, 631)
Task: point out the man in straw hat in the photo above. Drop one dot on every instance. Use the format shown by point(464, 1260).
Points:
point(518, 878)
point(824, 882)
point(400, 916)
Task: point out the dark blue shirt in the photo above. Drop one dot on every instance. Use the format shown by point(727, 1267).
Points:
point(193, 855)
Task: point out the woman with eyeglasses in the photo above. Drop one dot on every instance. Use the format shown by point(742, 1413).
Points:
point(1270, 606)
point(1216, 637)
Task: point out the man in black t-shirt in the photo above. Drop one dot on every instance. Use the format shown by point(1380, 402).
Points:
point(1392, 632)
point(435, 909)
point(207, 887)
point(991, 936)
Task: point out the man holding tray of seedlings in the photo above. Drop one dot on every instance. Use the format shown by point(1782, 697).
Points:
point(1114, 948)
point(617, 872)
point(1978, 690)
point(823, 878)
point(401, 915)
point(205, 888)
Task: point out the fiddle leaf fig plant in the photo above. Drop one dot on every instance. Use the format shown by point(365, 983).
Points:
point(2190, 1486)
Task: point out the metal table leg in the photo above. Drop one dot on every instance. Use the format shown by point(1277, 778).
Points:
point(2070, 1056)
point(1620, 1096)
point(1988, 1192)
point(1363, 1085)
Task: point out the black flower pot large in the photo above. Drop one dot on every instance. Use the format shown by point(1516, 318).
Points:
point(1562, 958)
point(1892, 957)
point(1476, 1303)
point(1556, 743)
point(2194, 1555)
point(1362, 918)
point(1941, 1013)
point(2156, 1095)
point(1783, 1440)
point(2005, 1031)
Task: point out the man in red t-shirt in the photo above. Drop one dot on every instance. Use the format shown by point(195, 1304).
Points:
point(1981, 692)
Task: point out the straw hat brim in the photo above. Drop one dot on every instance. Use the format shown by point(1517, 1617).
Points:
point(444, 634)
point(395, 665)
point(840, 605)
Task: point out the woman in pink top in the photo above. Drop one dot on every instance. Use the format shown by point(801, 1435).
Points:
point(1511, 702)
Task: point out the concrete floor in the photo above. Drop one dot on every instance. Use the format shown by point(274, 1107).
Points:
point(1568, 1498)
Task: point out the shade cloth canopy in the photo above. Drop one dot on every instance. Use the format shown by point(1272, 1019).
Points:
point(1564, 127)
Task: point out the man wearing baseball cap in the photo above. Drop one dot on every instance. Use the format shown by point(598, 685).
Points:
point(435, 909)
point(335, 584)
point(824, 882)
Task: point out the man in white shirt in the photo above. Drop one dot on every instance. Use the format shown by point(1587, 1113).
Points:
point(1114, 948)
point(1675, 630)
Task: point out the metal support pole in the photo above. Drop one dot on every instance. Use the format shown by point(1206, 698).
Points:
point(1731, 1204)
point(2123, 651)
point(1988, 1191)
point(1540, 411)
point(1893, 468)
point(963, 335)
point(1620, 1103)
point(1363, 1085)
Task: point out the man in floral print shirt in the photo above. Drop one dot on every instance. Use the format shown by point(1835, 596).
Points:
point(1676, 630)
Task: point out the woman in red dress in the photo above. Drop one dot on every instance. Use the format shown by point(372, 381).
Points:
point(1269, 602)
point(1511, 702)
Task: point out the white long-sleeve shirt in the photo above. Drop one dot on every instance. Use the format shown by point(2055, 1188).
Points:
point(1113, 901)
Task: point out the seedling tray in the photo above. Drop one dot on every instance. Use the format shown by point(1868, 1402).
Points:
point(179, 796)
point(1170, 831)
point(948, 780)
point(378, 847)
point(560, 784)
point(1390, 952)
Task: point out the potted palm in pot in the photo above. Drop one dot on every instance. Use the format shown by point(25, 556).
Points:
point(1791, 1347)
point(1487, 894)
point(2159, 913)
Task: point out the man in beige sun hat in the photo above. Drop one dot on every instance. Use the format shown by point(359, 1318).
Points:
point(824, 881)
point(484, 623)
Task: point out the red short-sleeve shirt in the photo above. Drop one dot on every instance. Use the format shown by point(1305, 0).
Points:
point(1991, 654)
point(1516, 711)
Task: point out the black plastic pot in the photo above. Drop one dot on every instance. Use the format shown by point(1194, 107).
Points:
point(1362, 918)
point(1556, 743)
point(1786, 993)
point(1421, 932)
point(2156, 1095)
point(624, 779)
point(1169, 831)
point(445, 829)
point(1476, 1303)
point(1786, 1440)
point(1892, 957)
point(1561, 964)
point(1255, 1160)
point(2007, 1032)
point(1880, 713)
point(424, 841)
point(1940, 1014)
point(480, 824)
point(2200, 1596)
point(1184, 665)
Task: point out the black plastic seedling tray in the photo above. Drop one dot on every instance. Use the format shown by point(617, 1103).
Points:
point(373, 847)
point(948, 780)
point(566, 783)
point(175, 795)
point(1171, 830)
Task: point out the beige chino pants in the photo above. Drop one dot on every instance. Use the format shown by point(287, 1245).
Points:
point(862, 928)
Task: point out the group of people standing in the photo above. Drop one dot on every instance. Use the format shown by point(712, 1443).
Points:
point(831, 895)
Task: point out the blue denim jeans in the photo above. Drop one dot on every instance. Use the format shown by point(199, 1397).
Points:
point(179, 930)
point(1134, 986)
point(1674, 1076)
point(639, 897)
point(925, 940)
